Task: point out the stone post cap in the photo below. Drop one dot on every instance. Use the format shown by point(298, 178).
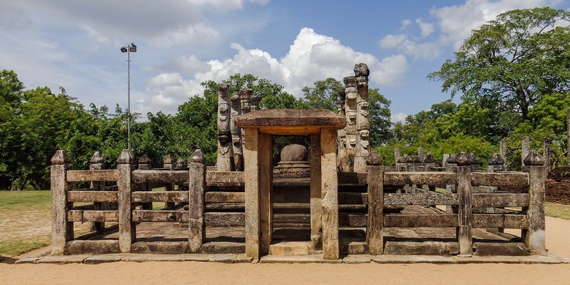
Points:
point(350, 81)
point(464, 159)
point(245, 93)
point(361, 69)
point(96, 158)
point(222, 86)
point(496, 159)
point(374, 158)
point(234, 97)
point(416, 159)
point(198, 157)
point(534, 158)
point(125, 157)
point(168, 159)
point(341, 93)
point(60, 157)
point(452, 158)
point(180, 163)
point(402, 159)
point(145, 159)
point(429, 158)
point(474, 159)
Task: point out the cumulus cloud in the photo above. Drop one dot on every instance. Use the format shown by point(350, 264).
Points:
point(162, 23)
point(399, 117)
point(405, 23)
point(426, 28)
point(311, 57)
point(393, 41)
point(428, 50)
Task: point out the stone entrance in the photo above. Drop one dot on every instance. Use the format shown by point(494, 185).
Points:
point(259, 127)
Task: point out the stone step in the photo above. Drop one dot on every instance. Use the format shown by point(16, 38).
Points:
point(290, 248)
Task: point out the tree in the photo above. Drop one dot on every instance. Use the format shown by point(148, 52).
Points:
point(511, 62)
point(323, 95)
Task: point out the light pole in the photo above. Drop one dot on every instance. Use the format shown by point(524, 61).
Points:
point(128, 49)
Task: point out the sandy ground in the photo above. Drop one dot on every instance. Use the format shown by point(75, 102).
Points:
point(558, 242)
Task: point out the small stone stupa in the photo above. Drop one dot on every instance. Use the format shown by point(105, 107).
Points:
point(294, 162)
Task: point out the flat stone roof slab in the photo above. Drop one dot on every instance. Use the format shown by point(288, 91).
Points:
point(290, 121)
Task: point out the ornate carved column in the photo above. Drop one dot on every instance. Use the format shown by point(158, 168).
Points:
point(362, 121)
point(350, 109)
point(236, 133)
point(343, 165)
point(224, 162)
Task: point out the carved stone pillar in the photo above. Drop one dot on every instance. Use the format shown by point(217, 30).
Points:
point(343, 165)
point(362, 118)
point(350, 109)
point(236, 133)
point(224, 162)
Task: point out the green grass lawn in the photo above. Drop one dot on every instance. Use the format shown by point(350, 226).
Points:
point(24, 221)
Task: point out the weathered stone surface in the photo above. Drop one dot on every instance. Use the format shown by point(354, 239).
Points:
point(290, 248)
point(533, 158)
point(420, 178)
point(316, 205)
point(160, 196)
point(500, 200)
point(265, 161)
point(105, 258)
point(92, 216)
point(387, 259)
point(290, 117)
point(356, 259)
point(421, 248)
point(504, 249)
point(222, 248)
point(251, 167)
point(67, 259)
point(420, 220)
point(92, 196)
point(425, 199)
point(160, 176)
point(535, 237)
point(465, 213)
point(76, 247)
point(329, 188)
point(62, 230)
point(500, 179)
point(127, 232)
point(197, 188)
point(374, 234)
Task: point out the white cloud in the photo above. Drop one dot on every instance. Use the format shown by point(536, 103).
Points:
point(311, 57)
point(429, 50)
point(456, 22)
point(426, 28)
point(162, 23)
point(393, 41)
point(405, 24)
point(399, 117)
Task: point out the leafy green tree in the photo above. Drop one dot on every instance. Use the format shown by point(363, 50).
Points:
point(510, 63)
point(323, 95)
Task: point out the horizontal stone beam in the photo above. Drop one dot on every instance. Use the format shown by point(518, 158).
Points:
point(352, 220)
point(160, 196)
point(421, 220)
point(499, 179)
point(92, 175)
point(225, 178)
point(81, 216)
point(500, 200)
point(352, 198)
point(419, 178)
point(212, 219)
point(161, 176)
point(425, 199)
point(92, 196)
point(506, 221)
point(352, 178)
point(224, 197)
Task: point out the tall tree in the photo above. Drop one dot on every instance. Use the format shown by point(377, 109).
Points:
point(511, 62)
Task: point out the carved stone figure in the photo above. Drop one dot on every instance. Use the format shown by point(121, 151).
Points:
point(224, 159)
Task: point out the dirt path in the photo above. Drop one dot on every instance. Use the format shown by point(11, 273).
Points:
point(558, 242)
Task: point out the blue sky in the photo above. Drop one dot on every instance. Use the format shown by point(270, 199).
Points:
point(75, 44)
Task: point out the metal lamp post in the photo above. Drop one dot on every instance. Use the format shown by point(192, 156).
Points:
point(128, 49)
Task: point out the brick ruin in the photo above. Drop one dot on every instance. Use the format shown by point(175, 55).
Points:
point(332, 200)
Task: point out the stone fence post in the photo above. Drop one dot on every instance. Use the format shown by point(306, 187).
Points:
point(451, 166)
point(197, 188)
point(127, 232)
point(464, 234)
point(61, 229)
point(534, 236)
point(374, 233)
point(169, 165)
point(96, 163)
point(145, 163)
